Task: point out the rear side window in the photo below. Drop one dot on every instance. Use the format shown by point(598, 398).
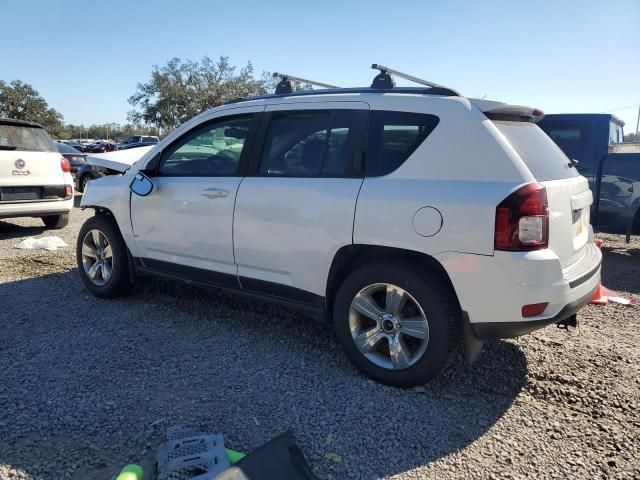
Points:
point(312, 143)
point(150, 139)
point(393, 137)
point(542, 156)
point(31, 139)
point(569, 136)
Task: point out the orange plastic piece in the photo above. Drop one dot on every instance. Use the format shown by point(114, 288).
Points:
point(600, 297)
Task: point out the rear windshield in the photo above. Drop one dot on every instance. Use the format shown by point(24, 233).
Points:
point(544, 158)
point(33, 139)
point(62, 148)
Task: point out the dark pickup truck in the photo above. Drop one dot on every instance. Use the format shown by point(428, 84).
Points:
point(596, 142)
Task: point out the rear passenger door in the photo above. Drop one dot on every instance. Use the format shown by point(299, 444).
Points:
point(295, 209)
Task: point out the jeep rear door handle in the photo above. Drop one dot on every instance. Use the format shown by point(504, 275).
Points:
point(214, 193)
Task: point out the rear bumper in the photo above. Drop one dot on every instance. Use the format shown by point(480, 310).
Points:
point(36, 209)
point(493, 289)
point(494, 330)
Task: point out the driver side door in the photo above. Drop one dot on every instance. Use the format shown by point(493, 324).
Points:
point(184, 227)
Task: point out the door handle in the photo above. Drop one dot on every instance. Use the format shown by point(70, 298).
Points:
point(214, 193)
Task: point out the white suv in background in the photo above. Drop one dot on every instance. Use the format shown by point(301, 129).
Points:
point(418, 221)
point(35, 180)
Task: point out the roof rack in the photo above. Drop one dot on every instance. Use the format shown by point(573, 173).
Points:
point(384, 80)
point(287, 81)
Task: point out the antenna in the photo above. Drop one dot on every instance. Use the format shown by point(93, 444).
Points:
point(385, 79)
point(287, 81)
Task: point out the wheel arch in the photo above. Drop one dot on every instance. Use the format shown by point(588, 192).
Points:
point(352, 256)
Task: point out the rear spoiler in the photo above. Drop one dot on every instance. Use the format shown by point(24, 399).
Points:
point(504, 111)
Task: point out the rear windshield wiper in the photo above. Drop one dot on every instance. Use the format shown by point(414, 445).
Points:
point(7, 147)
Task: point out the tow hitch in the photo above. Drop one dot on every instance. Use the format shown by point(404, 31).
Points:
point(571, 321)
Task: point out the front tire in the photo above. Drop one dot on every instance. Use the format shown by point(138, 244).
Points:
point(398, 326)
point(56, 222)
point(102, 258)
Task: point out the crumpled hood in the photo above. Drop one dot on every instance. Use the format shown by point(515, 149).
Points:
point(120, 160)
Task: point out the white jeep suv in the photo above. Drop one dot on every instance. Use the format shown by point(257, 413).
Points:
point(418, 221)
point(35, 180)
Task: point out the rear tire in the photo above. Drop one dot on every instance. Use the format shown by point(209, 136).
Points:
point(102, 258)
point(390, 352)
point(56, 222)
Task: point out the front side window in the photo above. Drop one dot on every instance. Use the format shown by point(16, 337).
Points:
point(212, 150)
point(319, 143)
point(393, 137)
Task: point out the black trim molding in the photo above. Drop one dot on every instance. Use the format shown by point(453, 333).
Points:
point(269, 291)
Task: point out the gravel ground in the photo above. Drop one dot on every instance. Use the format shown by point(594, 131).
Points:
point(88, 385)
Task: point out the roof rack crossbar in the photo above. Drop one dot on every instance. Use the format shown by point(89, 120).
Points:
point(411, 78)
point(285, 85)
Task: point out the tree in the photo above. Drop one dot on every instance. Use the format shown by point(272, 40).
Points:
point(632, 137)
point(181, 90)
point(21, 101)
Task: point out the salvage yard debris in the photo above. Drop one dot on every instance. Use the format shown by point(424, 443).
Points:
point(43, 243)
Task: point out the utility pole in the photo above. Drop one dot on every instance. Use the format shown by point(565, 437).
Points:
point(638, 122)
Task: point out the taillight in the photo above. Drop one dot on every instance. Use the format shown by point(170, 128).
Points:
point(522, 220)
point(64, 164)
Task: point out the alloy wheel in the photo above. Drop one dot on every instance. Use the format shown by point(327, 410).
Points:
point(97, 257)
point(388, 326)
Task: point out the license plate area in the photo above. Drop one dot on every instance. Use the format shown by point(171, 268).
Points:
point(15, 194)
point(580, 220)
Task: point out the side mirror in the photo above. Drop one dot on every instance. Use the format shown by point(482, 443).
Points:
point(141, 185)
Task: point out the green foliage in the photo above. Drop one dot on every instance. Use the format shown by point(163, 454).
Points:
point(182, 89)
point(21, 101)
point(632, 137)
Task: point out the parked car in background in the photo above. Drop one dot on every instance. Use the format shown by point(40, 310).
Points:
point(138, 141)
point(596, 143)
point(35, 180)
point(101, 147)
point(76, 158)
point(365, 209)
point(135, 145)
point(77, 145)
point(88, 172)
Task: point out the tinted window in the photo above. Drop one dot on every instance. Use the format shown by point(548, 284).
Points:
point(211, 150)
point(62, 148)
point(150, 139)
point(318, 143)
point(541, 155)
point(615, 133)
point(393, 137)
point(569, 136)
point(13, 137)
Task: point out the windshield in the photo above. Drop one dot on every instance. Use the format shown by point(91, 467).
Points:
point(14, 137)
point(542, 156)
